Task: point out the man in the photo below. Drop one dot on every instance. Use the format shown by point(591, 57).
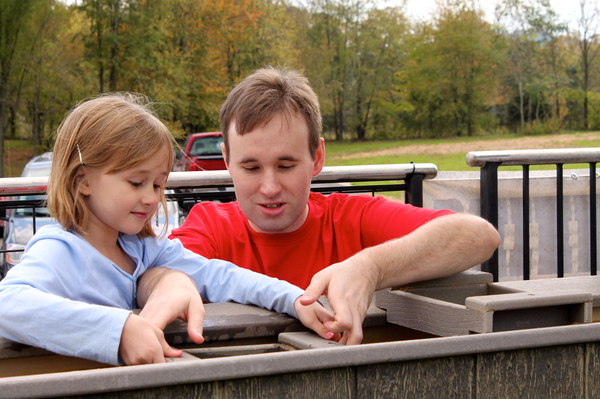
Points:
point(343, 246)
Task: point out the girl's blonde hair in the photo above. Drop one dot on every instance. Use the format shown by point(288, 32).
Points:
point(115, 132)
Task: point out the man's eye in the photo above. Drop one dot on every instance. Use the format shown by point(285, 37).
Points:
point(287, 166)
point(250, 168)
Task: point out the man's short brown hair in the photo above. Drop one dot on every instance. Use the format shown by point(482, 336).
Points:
point(269, 92)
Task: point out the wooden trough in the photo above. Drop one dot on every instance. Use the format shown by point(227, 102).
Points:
point(429, 345)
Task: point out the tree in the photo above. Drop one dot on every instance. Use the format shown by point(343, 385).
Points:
point(452, 66)
point(327, 56)
point(379, 51)
point(14, 18)
point(588, 24)
point(102, 41)
point(533, 58)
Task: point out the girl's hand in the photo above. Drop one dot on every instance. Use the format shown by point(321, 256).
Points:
point(144, 343)
point(314, 316)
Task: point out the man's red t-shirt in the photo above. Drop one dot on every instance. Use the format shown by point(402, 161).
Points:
point(338, 226)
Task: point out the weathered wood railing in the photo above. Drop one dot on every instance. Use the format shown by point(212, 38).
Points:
point(187, 188)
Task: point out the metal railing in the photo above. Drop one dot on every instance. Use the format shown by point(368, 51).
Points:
point(188, 188)
point(191, 187)
point(490, 161)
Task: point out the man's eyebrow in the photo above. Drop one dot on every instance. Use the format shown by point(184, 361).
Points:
point(288, 158)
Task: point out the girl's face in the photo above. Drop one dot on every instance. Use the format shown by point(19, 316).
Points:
point(124, 201)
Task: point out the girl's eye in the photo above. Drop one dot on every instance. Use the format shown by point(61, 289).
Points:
point(135, 183)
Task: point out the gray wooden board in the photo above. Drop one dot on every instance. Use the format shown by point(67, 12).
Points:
point(450, 377)
point(592, 369)
point(552, 372)
point(333, 383)
point(564, 371)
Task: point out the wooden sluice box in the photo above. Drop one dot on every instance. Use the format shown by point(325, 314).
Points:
point(459, 337)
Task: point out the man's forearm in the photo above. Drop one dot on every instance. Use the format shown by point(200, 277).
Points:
point(147, 282)
point(442, 247)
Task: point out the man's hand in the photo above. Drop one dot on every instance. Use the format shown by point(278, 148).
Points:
point(444, 246)
point(167, 295)
point(144, 343)
point(349, 289)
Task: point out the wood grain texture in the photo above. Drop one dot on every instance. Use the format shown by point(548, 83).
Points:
point(431, 378)
point(592, 369)
point(556, 372)
point(432, 315)
point(334, 384)
point(552, 372)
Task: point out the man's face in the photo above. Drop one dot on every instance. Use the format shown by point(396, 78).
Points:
point(272, 168)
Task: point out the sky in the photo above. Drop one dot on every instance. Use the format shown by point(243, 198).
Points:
point(423, 9)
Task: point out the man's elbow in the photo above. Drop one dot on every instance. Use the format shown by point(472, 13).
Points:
point(488, 238)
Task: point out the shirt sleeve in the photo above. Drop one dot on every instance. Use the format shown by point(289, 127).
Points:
point(220, 281)
point(36, 310)
point(382, 220)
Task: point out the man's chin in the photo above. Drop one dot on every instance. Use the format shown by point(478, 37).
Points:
point(270, 227)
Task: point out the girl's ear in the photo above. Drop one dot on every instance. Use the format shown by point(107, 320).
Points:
point(82, 181)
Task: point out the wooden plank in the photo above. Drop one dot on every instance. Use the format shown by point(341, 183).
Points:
point(432, 315)
point(335, 384)
point(450, 377)
point(45, 364)
point(552, 372)
point(592, 368)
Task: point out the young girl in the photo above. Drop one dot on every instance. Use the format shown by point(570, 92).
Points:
point(73, 290)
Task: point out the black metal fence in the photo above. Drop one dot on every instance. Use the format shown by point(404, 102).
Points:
point(490, 161)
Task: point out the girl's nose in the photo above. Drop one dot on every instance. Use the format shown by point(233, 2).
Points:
point(151, 197)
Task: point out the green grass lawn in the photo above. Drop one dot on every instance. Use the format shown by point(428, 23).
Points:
point(337, 151)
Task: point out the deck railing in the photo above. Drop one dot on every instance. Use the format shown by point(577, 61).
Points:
point(187, 188)
point(490, 161)
point(191, 187)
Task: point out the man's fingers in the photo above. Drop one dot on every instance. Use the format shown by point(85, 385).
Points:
point(348, 323)
point(317, 287)
point(355, 337)
point(195, 319)
point(159, 318)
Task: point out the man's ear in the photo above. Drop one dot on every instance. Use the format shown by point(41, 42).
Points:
point(319, 158)
point(224, 153)
point(82, 181)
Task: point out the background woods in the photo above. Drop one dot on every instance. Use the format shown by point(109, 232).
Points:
point(378, 74)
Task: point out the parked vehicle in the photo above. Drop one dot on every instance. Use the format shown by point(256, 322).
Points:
point(21, 222)
point(201, 151)
point(19, 226)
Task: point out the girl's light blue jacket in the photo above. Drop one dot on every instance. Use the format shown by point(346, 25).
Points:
point(67, 297)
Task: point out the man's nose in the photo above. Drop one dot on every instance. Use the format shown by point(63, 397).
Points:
point(270, 185)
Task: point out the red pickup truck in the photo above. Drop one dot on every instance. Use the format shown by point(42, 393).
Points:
point(202, 151)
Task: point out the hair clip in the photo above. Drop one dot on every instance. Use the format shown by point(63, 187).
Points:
point(79, 152)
